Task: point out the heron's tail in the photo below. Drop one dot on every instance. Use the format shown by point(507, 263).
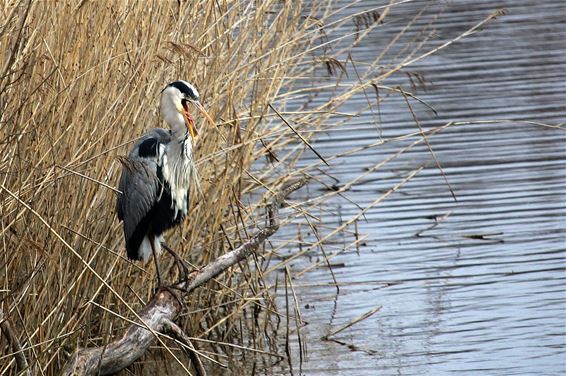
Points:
point(145, 250)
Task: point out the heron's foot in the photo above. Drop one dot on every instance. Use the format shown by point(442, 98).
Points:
point(182, 265)
point(185, 279)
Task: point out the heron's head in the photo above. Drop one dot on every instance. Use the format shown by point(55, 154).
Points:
point(176, 100)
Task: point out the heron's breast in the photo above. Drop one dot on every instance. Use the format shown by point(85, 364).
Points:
point(177, 170)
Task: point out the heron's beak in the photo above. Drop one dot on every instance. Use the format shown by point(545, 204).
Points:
point(189, 120)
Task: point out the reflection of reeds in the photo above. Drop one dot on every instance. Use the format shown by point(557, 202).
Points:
point(79, 82)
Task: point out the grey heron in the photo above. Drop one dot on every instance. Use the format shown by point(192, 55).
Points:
point(159, 174)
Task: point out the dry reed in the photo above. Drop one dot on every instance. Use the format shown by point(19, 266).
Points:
point(80, 80)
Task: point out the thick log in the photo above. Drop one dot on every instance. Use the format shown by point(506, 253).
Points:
point(165, 307)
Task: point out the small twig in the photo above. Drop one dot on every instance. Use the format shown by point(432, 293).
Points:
point(298, 134)
point(298, 322)
point(89, 178)
point(317, 235)
point(423, 135)
point(8, 332)
point(176, 332)
point(352, 322)
point(409, 94)
point(287, 328)
point(437, 220)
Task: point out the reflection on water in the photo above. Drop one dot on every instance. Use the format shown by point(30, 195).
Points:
point(475, 286)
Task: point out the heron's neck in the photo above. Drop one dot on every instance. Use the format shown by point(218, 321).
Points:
point(175, 120)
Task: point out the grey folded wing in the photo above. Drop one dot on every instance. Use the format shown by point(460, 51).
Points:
point(139, 184)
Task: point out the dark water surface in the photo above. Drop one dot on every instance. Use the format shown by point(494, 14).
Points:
point(473, 287)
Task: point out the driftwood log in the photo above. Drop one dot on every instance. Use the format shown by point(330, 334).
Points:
point(165, 306)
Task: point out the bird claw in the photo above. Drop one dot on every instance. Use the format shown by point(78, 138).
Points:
point(182, 265)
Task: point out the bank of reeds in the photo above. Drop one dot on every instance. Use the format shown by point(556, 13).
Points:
point(80, 81)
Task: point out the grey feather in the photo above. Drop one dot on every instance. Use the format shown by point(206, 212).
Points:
point(139, 183)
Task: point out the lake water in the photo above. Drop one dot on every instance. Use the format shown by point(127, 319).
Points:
point(472, 287)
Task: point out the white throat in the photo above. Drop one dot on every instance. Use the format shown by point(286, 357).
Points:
point(171, 114)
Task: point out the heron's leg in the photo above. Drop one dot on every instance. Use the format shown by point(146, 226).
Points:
point(181, 264)
point(159, 282)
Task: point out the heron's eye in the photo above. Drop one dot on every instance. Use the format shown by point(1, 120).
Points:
point(184, 102)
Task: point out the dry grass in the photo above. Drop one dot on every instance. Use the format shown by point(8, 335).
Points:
point(80, 80)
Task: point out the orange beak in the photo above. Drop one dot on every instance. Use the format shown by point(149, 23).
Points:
point(189, 119)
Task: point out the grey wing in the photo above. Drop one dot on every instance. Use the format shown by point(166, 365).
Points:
point(140, 186)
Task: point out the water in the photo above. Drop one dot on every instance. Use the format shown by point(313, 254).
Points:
point(473, 287)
